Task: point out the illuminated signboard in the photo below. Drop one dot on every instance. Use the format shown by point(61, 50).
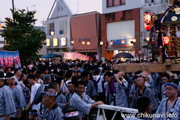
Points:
point(55, 42)
point(47, 42)
point(63, 41)
point(119, 42)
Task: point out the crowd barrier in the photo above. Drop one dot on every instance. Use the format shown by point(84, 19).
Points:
point(114, 108)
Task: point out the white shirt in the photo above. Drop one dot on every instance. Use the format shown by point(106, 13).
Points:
point(99, 84)
point(65, 85)
point(34, 88)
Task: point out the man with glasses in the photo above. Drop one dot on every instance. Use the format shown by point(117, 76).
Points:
point(169, 108)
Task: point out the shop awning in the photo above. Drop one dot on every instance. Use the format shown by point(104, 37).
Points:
point(50, 55)
point(75, 55)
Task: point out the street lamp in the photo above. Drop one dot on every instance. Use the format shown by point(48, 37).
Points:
point(52, 34)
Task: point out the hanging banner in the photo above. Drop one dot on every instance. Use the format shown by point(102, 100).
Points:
point(10, 59)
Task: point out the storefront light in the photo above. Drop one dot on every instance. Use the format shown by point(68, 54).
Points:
point(83, 42)
point(111, 43)
point(101, 43)
point(72, 42)
point(123, 41)
point(134, 40)
point(88, 43)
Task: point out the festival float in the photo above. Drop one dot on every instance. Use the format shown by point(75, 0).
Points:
point(165, 35)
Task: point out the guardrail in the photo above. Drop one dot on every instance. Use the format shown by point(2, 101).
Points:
point(114, 108)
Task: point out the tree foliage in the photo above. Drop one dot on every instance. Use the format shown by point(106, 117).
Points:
point(19, 34)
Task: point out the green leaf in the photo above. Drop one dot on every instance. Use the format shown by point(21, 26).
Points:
point(20, 35)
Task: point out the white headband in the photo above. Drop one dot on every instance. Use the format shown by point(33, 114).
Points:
point(2, 78)
point(10, 77)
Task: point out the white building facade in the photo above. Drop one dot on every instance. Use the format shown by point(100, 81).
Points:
point(59, 23)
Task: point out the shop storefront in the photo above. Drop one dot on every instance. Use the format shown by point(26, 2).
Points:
point(121, 37)
point(122, 32)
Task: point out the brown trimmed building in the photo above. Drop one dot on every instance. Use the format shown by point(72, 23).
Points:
point(89, 29)
point(85, 33)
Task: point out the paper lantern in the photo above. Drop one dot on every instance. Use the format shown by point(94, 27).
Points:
point(147, 27)
point(147, 18)
point(165, 40)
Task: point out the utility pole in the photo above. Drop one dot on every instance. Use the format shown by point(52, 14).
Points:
point(13, 6)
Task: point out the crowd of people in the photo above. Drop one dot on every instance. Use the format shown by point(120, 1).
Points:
point(71, 90)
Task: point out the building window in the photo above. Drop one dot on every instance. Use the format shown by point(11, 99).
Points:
point(51, 28)
point(111, 3)
point(62, 27)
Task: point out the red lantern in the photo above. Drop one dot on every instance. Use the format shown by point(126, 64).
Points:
point(147, 21)
point(165, 40)
point(147, 18)
point(147, 27)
